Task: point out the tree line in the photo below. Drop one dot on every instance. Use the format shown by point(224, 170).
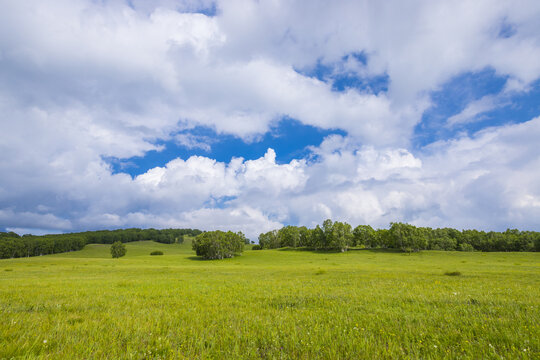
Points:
point(13, 246)
point(341, 236)
point(165, 236)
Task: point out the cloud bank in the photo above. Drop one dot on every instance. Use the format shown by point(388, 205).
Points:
point(81, 81)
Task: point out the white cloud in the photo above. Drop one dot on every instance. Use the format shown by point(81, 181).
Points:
point(490, 177)
point(265, 175)
point(45, 221)
point(82, 80)
point(148, 67)
point(472, 110)
point(483, 181)
point(191, 141)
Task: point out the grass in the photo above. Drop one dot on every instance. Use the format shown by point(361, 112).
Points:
point(270, 304)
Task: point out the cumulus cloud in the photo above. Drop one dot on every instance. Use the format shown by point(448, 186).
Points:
point(482, 181)
point(147, 67)
point(81, 81)
point(485, 181)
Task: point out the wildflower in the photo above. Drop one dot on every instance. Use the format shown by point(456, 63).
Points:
point(44, 341)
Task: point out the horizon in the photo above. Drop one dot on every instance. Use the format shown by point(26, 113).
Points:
point(353, 225)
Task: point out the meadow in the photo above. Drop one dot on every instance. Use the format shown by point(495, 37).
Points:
point(270, 304)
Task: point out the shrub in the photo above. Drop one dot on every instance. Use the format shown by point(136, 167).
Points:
point(256, 247)
point(118, 249)
point(218, 244)
point(157, 252)
point(465, 247)
point(407, 249)
point(453, 273)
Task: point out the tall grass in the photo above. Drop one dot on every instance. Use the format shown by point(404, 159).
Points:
point(270, 304)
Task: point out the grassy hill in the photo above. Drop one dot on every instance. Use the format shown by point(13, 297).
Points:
point(270, 304)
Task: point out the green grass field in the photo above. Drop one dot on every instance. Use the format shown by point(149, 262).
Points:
point(271, 304)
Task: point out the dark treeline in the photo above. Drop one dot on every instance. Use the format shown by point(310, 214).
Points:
point(341, 236)
point(13, 245)
point(165, 236)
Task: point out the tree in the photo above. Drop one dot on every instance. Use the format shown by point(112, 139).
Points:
point(269, 240)
point(364, 235)
point(465, 247)
point(289, 236)
point(442, 239)
point(407, 237)
point(332, 236)
point(118, 249)
point(340, 236)
point(303, 236)
point(317, 238)
point(217, 244)
point(243, 237)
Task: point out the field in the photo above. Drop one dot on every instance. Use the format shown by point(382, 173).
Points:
point(270, 304)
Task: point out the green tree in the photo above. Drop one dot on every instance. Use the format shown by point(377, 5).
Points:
point(304, 239)
point(217, 244)
point(341, 237)
point(243, 237)
point(317, 238)
point(326, 239)
point(363, 235)
point(118, 249)
point(269, 240)
point(442, 239)
point(408, 237)
point(289, 236)
point(333, 236)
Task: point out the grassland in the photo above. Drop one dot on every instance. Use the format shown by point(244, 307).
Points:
point(271, 304)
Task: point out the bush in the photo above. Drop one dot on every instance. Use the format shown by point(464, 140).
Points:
point(465, 247)
point(256, 247)
point(217, 244)
point(118, 249)
point(452, 273)
point(157, 252)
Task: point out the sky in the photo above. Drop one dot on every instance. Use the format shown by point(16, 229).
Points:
point(252, 115)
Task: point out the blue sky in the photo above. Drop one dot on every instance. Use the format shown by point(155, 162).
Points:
point(455, 95)
point(251, 115)
point(290, 138)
